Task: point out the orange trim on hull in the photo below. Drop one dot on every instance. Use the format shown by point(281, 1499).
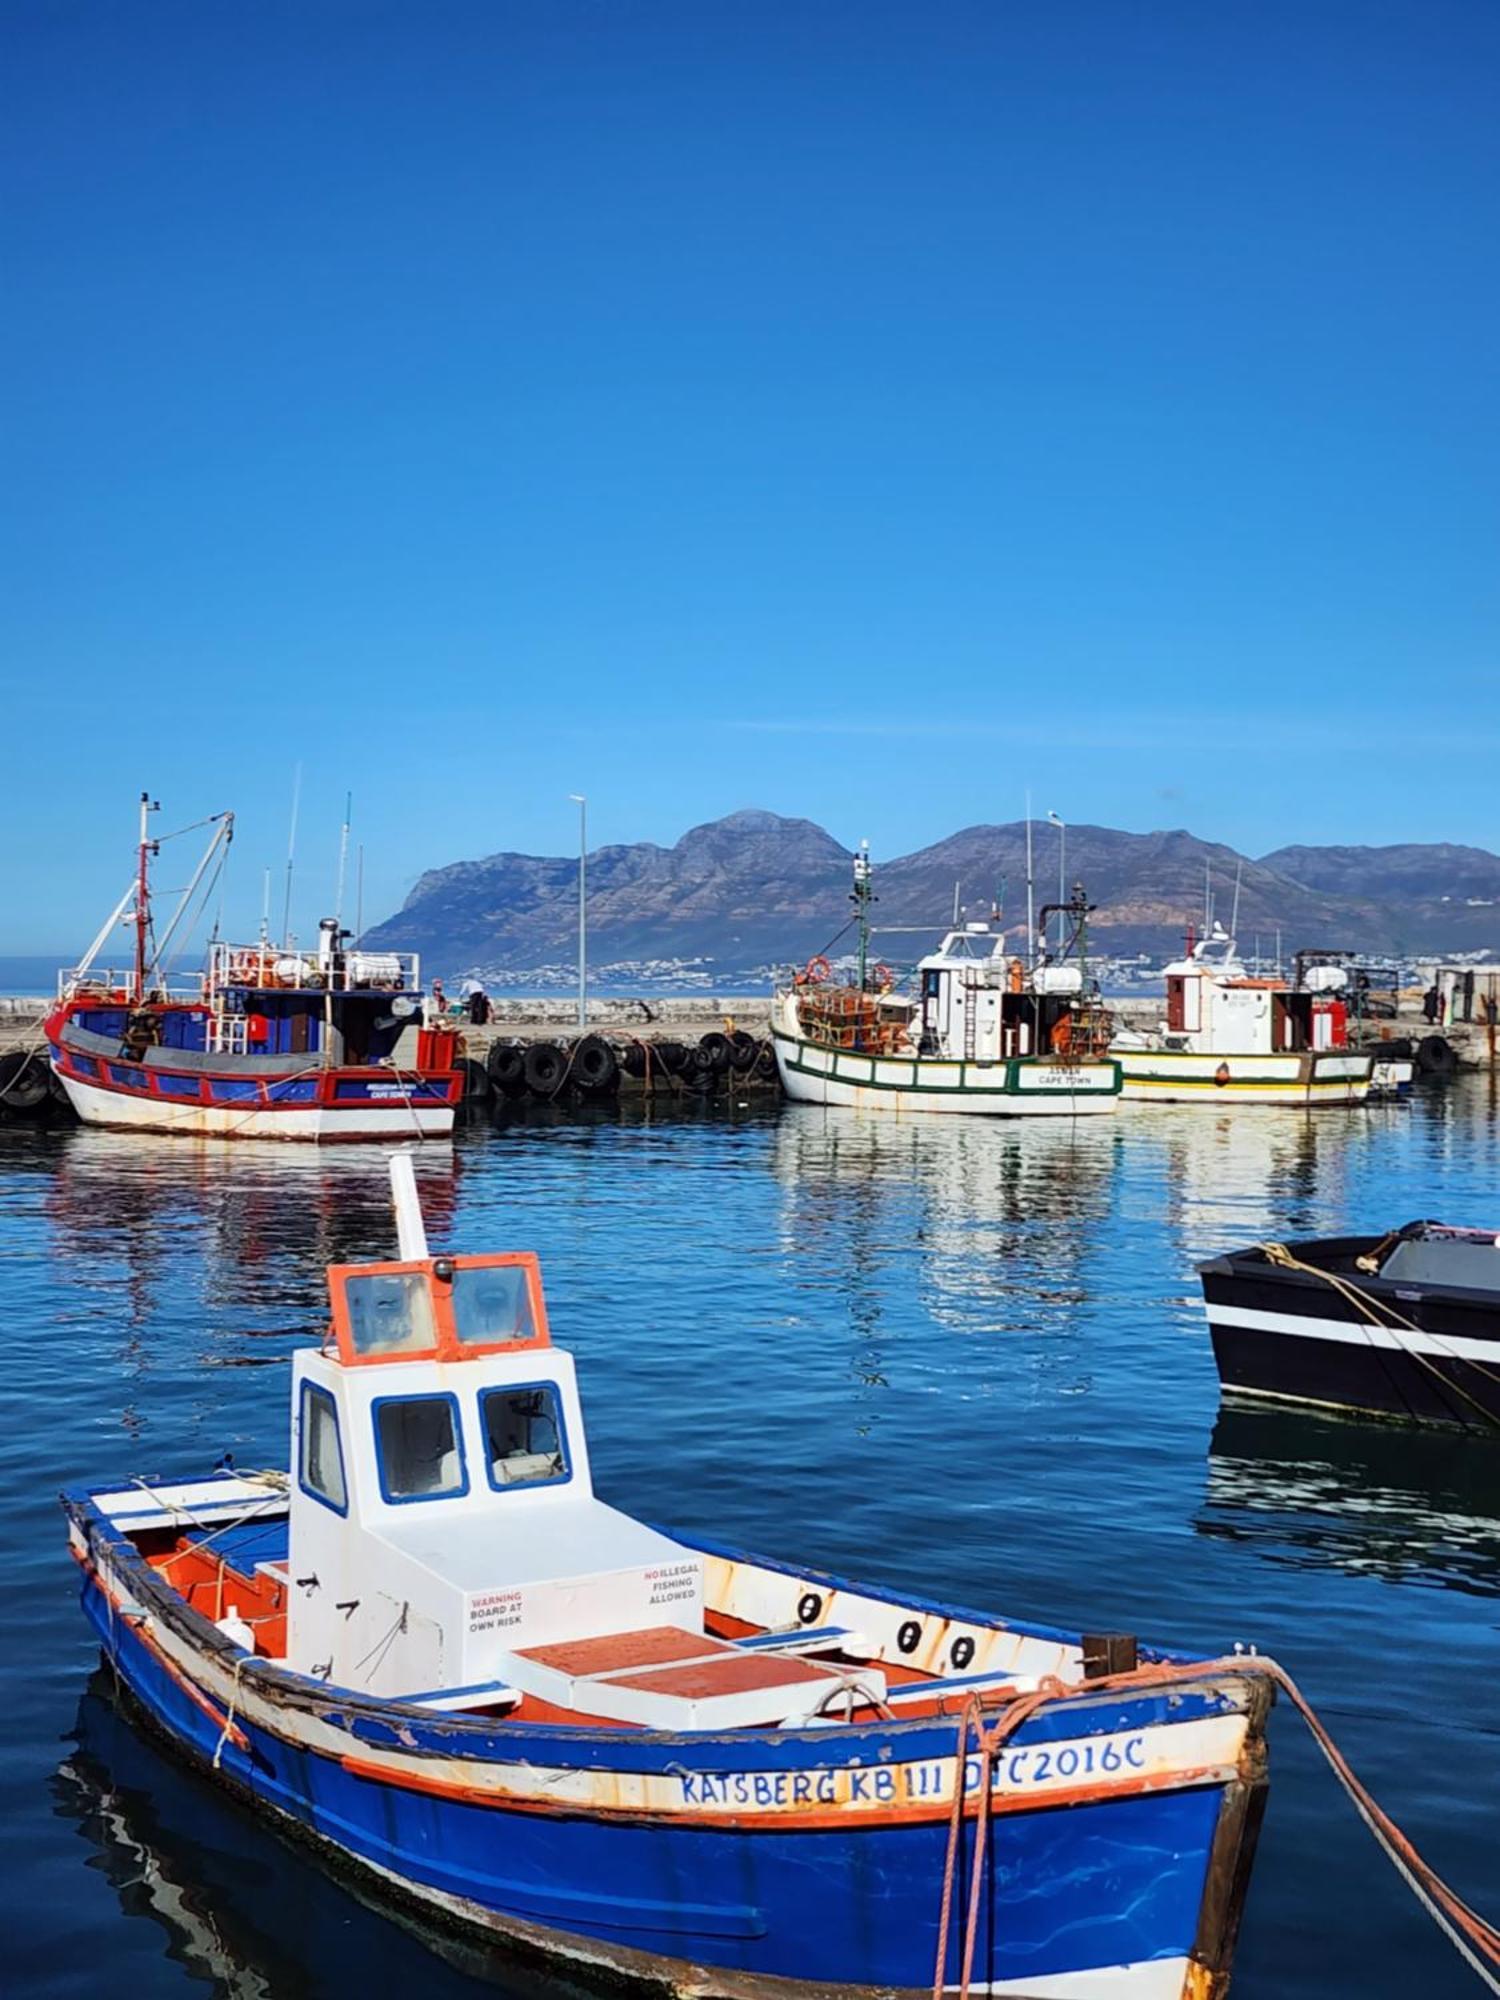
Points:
point(811, 1819)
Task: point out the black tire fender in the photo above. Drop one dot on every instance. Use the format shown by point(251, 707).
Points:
point(595, 1065)
point(545, 1068)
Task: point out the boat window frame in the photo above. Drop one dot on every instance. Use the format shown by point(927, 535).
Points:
point(377, 1404)
point(446, 1345)
point(309, 1390)
point(563, 1478)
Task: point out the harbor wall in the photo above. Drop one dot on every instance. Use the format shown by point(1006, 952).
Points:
point(687, 1017)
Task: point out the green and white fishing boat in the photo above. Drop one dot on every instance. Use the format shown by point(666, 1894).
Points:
point(983, 1034)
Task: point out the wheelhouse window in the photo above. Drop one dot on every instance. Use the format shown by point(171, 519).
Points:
point(320, 1463)
point(418, 1447)
point(493, 1303)
point(525, 1443)
point(390, 1312)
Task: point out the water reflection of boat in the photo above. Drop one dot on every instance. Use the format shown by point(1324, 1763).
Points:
point(142, 1218)
point(242, 1909)
point(1278, 1172)
point(1006, 1214)
point(297, 1206)
point(1316, 1492)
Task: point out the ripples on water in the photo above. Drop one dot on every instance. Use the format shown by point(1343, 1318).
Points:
point(959, 1356)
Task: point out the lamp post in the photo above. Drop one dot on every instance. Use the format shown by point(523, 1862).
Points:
point(1062, 875)
point(583, 906)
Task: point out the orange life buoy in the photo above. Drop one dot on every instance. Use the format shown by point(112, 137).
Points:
point(885, 979)
point(817, 972)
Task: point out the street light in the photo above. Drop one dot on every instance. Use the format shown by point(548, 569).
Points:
point(1062, 876)
point(583, 907)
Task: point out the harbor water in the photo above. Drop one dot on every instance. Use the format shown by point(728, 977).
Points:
point(953, 1355)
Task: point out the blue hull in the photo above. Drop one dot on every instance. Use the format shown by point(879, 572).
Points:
point(1152, 1876)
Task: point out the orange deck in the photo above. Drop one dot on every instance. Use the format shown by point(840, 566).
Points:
point(729, 1673)
point(658, 1645)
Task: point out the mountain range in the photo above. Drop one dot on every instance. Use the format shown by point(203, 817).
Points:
point(755, 888)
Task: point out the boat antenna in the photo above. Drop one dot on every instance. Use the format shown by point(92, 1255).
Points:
point(1030, 893)
point(359, 893)
point(291, 855)
point(338, 896)
point(862, 897)
point(223, 878)
point(1234, 911)
point(956, 888)
point(1208, 897)
point(265, 909)
point(1081, 904)
point(145, 850)
point(1062, 894)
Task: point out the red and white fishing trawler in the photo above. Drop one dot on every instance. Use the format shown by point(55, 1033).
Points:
point(268, 1042)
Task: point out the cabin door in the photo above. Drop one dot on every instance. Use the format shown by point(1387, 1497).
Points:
point(1184, 1005)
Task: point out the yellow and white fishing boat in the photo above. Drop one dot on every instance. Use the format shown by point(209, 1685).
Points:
point(1231, 1038)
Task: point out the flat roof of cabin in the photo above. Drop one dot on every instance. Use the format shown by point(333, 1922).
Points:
point(527, 1537)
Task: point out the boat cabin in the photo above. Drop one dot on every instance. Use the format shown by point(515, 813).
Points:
point(446, 1544)
point(1215, 1008)
point(258, 1001)
point(978, 1003)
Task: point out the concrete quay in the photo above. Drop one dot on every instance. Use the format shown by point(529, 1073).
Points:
point(687, 1017)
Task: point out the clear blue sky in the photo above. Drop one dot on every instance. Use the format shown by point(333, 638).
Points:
point(860, 410)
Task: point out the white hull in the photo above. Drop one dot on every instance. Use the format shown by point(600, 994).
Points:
point(1165, 1076)
point(1152, 1979)
point(1392, 1075)
point(928, 1085)
point(396, 1119)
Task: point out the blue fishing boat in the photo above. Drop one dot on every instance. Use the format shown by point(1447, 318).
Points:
point(433, 1648)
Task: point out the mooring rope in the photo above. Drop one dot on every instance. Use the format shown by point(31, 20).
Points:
point(28, 1055)
point(1476, 1940)
point(1371, 1310)
point(234, 1701)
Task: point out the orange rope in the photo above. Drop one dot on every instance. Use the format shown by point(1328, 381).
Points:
point(1477, 1941)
